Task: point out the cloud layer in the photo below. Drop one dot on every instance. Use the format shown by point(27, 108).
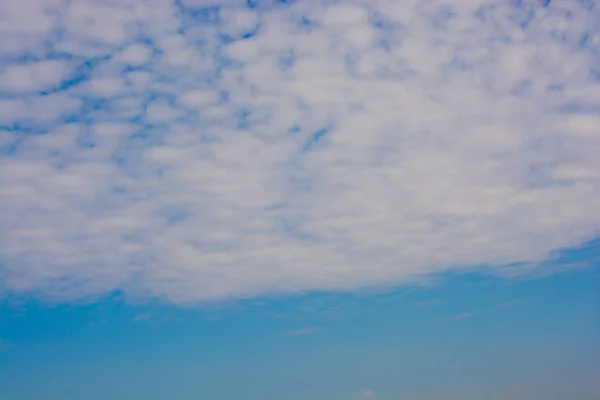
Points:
point(197, 150)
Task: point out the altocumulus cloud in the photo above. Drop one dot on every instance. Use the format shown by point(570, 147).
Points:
point(198, 150)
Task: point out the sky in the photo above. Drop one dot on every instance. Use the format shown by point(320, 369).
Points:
point(310, 199)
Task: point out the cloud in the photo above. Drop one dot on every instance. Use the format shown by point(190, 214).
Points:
point(461, 316)
point(203, 150)
point(427, 303)
point(304, 331)
point(367, 393)
point(144, 317)
point(150, 318)
point(33, 76)
point(470, 314)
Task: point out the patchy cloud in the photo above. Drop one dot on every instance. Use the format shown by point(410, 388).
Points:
point(202, 150)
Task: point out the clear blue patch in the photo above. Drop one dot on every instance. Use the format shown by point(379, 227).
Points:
point(316, 138)
point(305, 21)
point(241, 117)
point(81, 74)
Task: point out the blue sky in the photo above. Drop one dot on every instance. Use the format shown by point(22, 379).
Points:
point(466, 337)
point(299, 199)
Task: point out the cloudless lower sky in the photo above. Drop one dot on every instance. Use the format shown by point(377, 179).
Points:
point(299, 199)
point(465, 337)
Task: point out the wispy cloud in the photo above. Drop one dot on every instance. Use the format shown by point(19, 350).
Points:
point(192, 152)
point(304, 331)
point(147, 317)
point(144, 317)
point(470, 314)
point(367, 393)
point(460, 316)
point(428, 303)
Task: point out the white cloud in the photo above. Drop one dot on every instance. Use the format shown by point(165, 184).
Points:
point(103, 87)
point(237, 22)
point(160, 112)
point(37, 111)
point(136, 55)
point(199, 99)
point(344, 15)
point(340, 146)
point(33, 76)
